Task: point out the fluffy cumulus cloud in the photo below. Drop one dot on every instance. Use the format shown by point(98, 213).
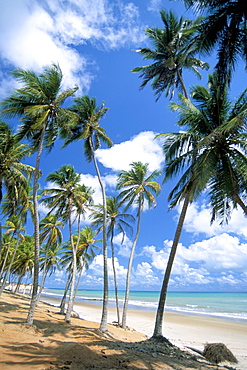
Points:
point(141, 147)
point(219, 261)
point(37, 33)
point(198, 218)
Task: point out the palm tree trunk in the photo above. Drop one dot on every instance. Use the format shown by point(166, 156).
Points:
point(63, 301)
point(115, 278)
point(9, 268)
point(72, 286)
point(160, 311)
point(103, 323)
point(79, 278)
point(127, 289)
point(4, 262)
point(36, 233)
point(45, 272)
point(18, 284)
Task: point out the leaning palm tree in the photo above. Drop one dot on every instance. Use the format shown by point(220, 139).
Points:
point(136, 186)
point(16, 229)
point(84, 255)
point(117, 222)
point(89, 130)
point(212, 154)
point(86, 250)
point(39, 104)
point(174, 51)
point(68, 199)
point(50, 260)
point(51, 233)
point(223, 28)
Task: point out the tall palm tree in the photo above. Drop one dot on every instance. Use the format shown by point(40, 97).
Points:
point(136, 186)
point(173, 52)
point(89, 130)
point(39, 104)
point(224, 27)
point(117, 222)
point(68, 199)
point(212, 154)
point(50, 231)
point(15, 227)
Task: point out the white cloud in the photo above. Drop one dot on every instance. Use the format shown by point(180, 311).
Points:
point(155, 5)
point(34, 34)
point(221, 259)
point(124, 247)
point(198, 218)
point(141, 147)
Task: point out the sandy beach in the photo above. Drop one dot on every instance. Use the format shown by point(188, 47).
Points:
point(182, 330)
point(52, 344)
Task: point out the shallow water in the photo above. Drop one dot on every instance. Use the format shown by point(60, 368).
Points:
point(232, 306)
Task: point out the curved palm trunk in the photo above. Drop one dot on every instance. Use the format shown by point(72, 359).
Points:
point(115, 278)
point(42, 281)
point(36, 234)
point(79, 278)
point(63, 301)
point(103, 323)
point(72, 286)
point(18, 284)
point(4, 262)
point(127, 289)
point(160, 311)
point(9, 268)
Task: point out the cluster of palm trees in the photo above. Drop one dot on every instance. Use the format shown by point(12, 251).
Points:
point(38, 104)
point(209, 154)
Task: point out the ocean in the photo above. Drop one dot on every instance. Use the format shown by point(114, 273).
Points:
point(231, 306)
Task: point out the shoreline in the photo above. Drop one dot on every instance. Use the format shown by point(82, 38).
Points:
point(181, 329)
point(111, 305)
point(52, 344)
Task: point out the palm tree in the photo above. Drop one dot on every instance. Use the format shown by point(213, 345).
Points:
point(69, 198)
point(24, 261)
point(89, 130)
point(224, 28)
point(86, 250)
point(85, 254)
point(174, 51)
point(213, 153)
point(15, 227)
point(14, 174)
point(50, 260)
point(117, 222)
point(8, 244)
point(137, 186)
point(23, 206)
point(50, 231)
point(39, 104)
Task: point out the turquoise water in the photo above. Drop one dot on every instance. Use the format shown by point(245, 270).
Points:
point(231, 306)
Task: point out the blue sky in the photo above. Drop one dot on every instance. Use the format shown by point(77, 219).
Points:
point(93, 42)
